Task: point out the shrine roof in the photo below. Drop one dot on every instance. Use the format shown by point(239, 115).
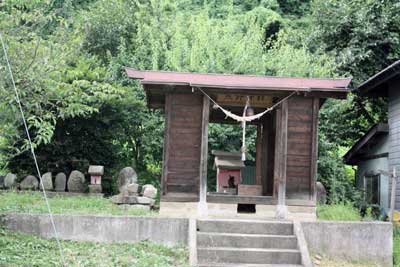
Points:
point(236, 81)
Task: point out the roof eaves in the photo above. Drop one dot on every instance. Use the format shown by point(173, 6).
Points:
point(376, 129)
point(378, 79)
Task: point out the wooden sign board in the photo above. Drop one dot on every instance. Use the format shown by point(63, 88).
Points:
point(240, 100)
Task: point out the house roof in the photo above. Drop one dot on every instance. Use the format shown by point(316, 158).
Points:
point(228, 160)
point(377, 85)
point(356, 153)
point(231, 81)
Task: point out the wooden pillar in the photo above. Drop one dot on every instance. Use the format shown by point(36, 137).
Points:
point(314, 150)
point(259, 154)
point(281, 154)
point(167, 129)
point(204, 149)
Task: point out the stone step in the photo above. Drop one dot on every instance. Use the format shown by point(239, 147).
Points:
point(248, 255)
point(246, 226)
point(205, 239)
point(247, 265)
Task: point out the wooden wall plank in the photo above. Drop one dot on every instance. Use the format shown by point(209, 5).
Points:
point(183, 143)
point(301, 133)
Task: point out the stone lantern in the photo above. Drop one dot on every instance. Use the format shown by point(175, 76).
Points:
point(95, 172)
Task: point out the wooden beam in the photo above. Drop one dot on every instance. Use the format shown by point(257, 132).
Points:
point(204, 149)
point(166, 149)
point(314, 150)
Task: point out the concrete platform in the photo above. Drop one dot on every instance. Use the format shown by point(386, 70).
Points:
point(238, 242)
point(229, 210)
point(245, 226)
point(246, 240)
point(248, 255)
point(247, 265)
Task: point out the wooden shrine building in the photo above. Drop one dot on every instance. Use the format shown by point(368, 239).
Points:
point(286, 143)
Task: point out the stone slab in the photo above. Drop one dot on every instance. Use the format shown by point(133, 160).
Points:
point(95, 188)
point(96, 170)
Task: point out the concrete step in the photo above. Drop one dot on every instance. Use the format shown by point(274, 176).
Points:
point(248, 255)
point(205, 239)
point(246, 227)
point(247, 265)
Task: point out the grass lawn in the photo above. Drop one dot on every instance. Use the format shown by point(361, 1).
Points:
point(396, 246)
point(338, 212)
point(18, 249)
point(33, 202)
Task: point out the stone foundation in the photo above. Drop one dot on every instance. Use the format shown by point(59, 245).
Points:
point(224, 210)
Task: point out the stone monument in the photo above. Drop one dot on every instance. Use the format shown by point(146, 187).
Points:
point(29, 183)
point(129, 191)
point(76, 182)
point(126, 176)
point(47, 181)
point(10, 181)
point(321, 193)
point(60, 182)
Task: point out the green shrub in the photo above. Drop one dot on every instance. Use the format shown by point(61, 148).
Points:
point(338, 212)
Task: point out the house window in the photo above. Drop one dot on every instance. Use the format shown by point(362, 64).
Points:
point(372, 189)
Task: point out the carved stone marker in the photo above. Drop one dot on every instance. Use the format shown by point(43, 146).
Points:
point(47, 181)
point(321, 193)
point(60, 182)
point(126, 176)
point(95, 171)
point(76, 182)
point(10, 181)
point(29, 183)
